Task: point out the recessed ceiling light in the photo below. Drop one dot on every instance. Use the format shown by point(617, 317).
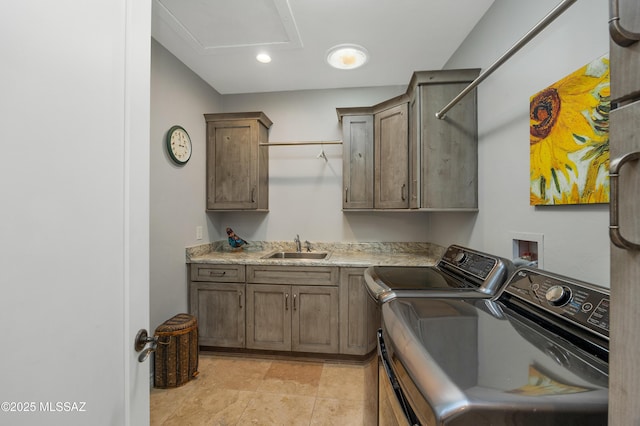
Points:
point(264, 58)
point(347, 56)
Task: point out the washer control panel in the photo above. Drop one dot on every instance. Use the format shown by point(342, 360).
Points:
point(472, 268)
point(477, 264)
point(584, 304)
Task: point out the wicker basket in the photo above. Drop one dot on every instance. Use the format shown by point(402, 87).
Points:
point(176, 357)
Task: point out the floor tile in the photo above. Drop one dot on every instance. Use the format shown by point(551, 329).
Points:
point(275, 409)
point(293, 378)
point(343, 412)
point(211, 407)
point(234, 373)
point(163, 402)
point(234, 390)
point(342, 381)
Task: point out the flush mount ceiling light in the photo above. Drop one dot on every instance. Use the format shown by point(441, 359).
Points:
point(347, 56)
point(264, 58)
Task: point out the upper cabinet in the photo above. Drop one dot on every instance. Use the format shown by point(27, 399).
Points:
point(237, 165)
point(419, 161)
point(357, 157)
point(375, 157)
point(447, 149)
point(391, 156)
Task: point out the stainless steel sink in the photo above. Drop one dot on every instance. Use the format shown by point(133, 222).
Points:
point(296, 255)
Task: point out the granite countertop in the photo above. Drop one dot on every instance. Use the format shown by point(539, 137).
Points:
point(340, 254)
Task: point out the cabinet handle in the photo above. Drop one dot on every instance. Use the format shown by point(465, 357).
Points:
point(614, 227)
point(253, 197)
point(240, 299)
point(217, 273)
point(346, 195)
point(619, 34)
point(286, 301)
point(402, 191)
point(294, 301)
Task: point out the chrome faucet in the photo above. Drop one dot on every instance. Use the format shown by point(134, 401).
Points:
point(298, 245)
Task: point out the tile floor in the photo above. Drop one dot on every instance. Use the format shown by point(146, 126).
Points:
point(236, 390)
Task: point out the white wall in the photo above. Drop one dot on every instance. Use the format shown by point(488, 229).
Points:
point(177, 199)
point(305, 191)
point(575, 237)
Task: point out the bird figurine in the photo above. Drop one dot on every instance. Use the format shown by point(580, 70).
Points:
point(234, 240)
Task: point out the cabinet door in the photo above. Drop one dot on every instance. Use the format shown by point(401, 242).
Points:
point(625, 77)
point(624, 370)
point(269, 317)
point(357, 161)
point(359, 314)
point(232, 164)
point(315, 319)
point(219, 308)
point(392, 158)
point(449, 149)
point(414, 150)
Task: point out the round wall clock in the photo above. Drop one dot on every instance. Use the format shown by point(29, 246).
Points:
point(179, 144)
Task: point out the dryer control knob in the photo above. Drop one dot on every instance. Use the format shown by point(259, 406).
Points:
point(558, 295)
point(460, 256)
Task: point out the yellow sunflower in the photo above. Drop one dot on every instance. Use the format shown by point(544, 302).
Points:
point(558, 125)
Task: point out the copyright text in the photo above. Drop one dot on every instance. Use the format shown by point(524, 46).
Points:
point(48, 406)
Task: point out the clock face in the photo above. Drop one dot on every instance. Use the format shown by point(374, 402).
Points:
point(179, 144)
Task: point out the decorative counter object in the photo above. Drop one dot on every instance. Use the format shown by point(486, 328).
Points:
point(234, 240)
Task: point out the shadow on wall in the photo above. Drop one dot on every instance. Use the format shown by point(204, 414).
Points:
point(453, 228)
point(372, 226)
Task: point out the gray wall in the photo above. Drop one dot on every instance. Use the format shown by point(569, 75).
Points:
point(575, 237)
point(305, 190)
point(177, 193)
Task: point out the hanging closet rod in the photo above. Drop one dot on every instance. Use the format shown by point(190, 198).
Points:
point(551, 16)
point(301, 143)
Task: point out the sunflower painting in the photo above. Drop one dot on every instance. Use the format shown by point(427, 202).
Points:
point(569, 138)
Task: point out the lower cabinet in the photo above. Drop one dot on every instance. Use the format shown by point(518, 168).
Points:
point(292, 318)
point(269, 317)
point(359, 314)
point(283, 308)
point(220, 310)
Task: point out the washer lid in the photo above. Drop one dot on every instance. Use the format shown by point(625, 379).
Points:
point(465, 358)
point(416, 278)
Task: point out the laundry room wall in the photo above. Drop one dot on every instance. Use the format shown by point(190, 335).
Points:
point(177, 193)
point(305, 191)
point(575, 238)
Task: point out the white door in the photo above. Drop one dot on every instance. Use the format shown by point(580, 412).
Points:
point(74, 109)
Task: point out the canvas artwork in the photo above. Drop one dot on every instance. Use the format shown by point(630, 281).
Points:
point(569, 138)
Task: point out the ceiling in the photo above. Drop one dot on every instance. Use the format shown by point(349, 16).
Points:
point(219, 39)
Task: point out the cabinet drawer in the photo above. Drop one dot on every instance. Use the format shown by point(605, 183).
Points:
point(302, 275)
point(218, 273)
